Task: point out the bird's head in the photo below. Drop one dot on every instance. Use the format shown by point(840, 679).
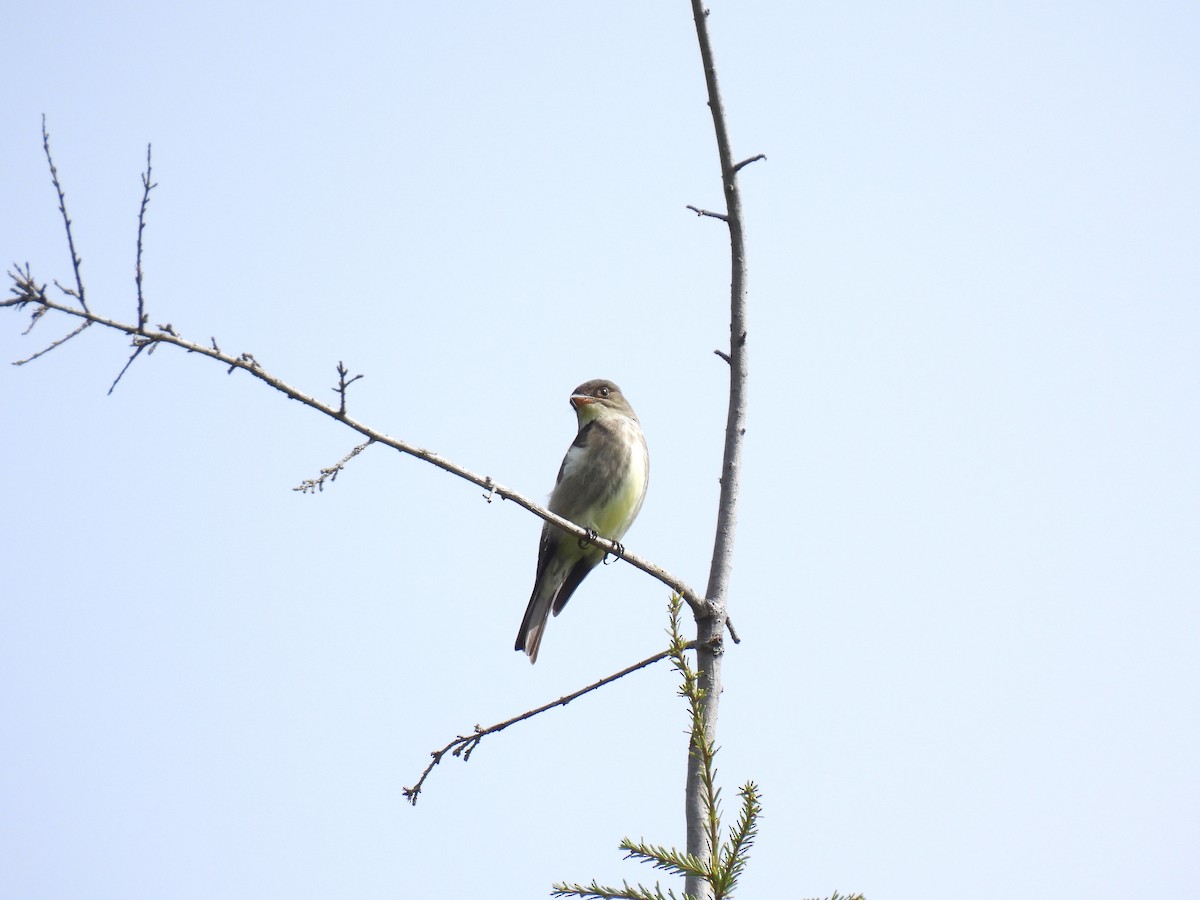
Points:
point(598, 398)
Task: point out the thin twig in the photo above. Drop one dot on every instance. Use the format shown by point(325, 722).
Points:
point(129, 362)
point(33, 319)
point(58, 343)
point(62, 208)
point(464, 745)
point(147, 187)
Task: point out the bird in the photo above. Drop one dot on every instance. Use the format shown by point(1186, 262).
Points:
point(600, 486)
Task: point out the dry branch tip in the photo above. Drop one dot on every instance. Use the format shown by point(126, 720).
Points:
point(708, 212)
point(745, 162)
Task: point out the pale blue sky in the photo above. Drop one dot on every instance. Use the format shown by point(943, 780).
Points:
point(967, 573)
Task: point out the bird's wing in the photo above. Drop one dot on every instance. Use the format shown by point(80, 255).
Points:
point(590, 471)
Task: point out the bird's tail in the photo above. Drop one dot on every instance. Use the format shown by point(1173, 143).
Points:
point(533, 626)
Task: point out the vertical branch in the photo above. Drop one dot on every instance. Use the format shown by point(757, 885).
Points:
point(147, 187)
point(735, 428)
point(710, 629)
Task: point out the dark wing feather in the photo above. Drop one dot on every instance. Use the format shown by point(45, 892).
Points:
point(573, 580)
point(607, 455)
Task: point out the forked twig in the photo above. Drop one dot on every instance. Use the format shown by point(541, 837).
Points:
point(313, 485)
point(343, 383)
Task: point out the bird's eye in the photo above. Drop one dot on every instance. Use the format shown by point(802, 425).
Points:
point(602, 392)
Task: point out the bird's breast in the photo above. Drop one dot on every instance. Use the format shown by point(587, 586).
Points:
point(629, 488)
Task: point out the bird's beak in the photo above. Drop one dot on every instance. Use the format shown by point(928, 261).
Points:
point(578, 400)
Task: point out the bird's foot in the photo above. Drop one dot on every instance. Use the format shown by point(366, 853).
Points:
point(585, 542)
point(618, 551)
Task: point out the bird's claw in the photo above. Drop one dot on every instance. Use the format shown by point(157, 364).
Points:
point(618, 551)
point(585, 542)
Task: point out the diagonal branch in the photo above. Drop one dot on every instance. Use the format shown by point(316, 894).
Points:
point(464, 745)
point(129, 362)
point(62, 340)
point(26, 291)
point(316, 485)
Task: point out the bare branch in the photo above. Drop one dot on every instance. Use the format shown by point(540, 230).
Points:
point(710, 630)
point(62, 208)
point(247, 363)
point(464, 745)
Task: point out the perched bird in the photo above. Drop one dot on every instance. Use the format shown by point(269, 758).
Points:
point(600, 486)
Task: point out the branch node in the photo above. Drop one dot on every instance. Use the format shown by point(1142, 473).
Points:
point(27, 290)
point(245, 361)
